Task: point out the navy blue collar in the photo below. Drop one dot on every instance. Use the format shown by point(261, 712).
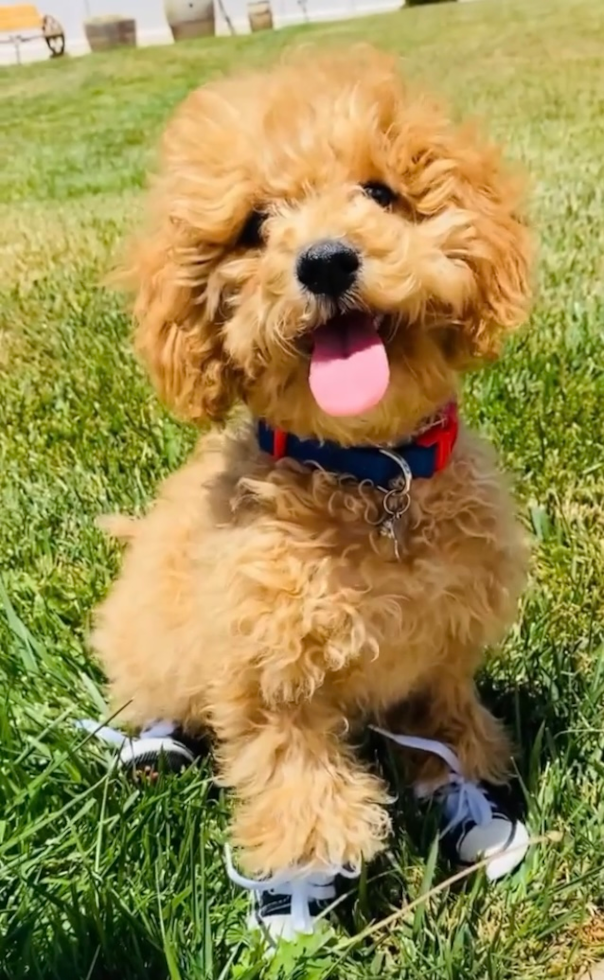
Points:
point(422, 457)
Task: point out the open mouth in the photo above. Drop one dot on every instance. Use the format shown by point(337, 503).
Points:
point(349, 370)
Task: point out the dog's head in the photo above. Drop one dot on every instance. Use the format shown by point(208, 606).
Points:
point(326, 248)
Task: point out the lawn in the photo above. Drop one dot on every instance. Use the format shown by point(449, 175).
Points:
point(102, 880)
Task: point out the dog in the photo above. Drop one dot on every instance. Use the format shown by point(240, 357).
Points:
point(328, 250)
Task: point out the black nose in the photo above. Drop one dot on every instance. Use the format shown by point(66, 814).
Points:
point(328, 268)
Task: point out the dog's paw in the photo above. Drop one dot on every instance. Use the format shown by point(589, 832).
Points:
point(324, 820)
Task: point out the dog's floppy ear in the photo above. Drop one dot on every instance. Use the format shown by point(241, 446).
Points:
point(175, 335)
point(502, 254)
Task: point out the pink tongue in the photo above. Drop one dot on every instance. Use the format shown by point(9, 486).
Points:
point(349, 370)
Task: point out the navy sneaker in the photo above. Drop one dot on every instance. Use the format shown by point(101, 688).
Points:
point(289, 904)
point(159, 747)
point(474, 825)
point(477, 826)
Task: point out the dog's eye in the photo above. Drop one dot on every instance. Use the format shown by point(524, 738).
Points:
point(380, 193)
point(250, 235)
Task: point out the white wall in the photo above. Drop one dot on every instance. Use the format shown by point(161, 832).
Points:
point(153, 29)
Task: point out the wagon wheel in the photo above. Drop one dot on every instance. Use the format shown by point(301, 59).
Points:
point(53, 35)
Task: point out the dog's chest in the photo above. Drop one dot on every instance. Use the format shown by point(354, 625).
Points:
point(314, 574)
point(442, 599)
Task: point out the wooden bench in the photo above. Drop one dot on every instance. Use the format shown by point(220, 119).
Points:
point(22, 22)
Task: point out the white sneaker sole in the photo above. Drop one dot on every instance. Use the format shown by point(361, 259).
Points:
point(142, 753)
point(514, 853)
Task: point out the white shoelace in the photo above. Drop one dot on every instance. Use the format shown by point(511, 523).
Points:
point(113, 736)
point(463, 798)
point(303, 887)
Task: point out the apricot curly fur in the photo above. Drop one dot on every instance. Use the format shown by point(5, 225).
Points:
point(257, 598)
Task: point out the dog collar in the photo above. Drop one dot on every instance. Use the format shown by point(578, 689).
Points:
point(420, 458)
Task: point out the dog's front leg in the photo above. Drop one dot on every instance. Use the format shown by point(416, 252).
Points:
point(303, 798)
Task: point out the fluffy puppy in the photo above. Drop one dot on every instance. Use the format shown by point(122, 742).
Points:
point(332, 252)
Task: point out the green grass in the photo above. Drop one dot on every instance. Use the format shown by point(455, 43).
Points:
point(99, 880)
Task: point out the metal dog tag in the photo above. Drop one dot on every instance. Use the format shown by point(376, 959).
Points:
point(387, 530)
point(396, 503)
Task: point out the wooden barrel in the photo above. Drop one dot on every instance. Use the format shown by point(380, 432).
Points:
point(190, 19)
point(260, 15)
point(103, 33)
point(194, 28)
